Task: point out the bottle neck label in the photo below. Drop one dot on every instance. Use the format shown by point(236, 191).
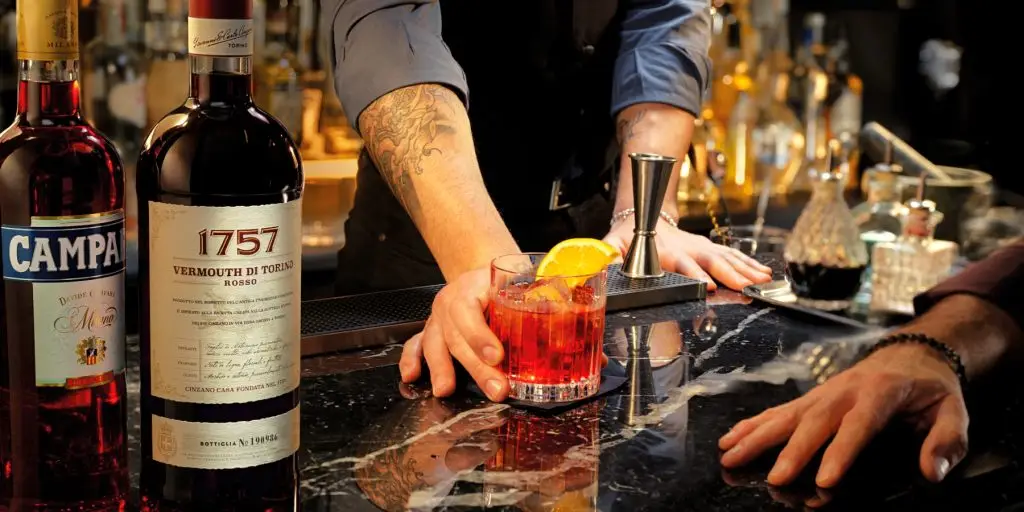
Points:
point(220, 38)
point(47, 29)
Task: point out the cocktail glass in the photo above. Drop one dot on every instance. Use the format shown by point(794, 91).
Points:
point(551, 328)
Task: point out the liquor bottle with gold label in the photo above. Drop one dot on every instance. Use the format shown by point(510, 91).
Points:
point(220, 251)
point(63, 404)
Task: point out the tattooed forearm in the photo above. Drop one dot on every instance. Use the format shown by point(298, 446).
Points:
point(390, 479)
point(627, 127)
point(401, 130)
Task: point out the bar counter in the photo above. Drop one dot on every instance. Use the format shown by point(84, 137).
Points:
point(693, 369)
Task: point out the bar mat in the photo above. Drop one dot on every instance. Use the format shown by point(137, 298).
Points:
point(609, 383)
point(413, 305)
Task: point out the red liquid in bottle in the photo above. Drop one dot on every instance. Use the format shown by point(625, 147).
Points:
point(63, 407)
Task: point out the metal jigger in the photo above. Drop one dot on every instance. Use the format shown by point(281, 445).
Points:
point(651, 174)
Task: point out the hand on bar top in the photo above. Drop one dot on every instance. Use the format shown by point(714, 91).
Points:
point(457, 327)
point(912, 382)
point(695, 256)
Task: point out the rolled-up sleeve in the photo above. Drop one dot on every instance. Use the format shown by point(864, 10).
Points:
point(663, 57)
point(383, 45)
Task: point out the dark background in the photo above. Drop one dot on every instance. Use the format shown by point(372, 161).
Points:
point(970, 126)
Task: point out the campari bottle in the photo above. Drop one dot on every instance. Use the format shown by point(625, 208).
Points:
point(63, 410)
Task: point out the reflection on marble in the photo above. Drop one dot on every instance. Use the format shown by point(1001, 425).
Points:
point(694, 369)
point(632, 450)
point(497, 456)
point(362, 359)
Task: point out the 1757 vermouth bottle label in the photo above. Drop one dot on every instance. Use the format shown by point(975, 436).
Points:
point(225, 327)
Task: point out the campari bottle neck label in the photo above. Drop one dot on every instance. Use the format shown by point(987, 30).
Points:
point(220, 28)
point(47, 30)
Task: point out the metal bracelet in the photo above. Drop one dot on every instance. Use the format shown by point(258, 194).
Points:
point(621, 216)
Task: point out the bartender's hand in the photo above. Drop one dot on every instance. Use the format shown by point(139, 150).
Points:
point(695, 256)
point(911, 382)
point(457, 327)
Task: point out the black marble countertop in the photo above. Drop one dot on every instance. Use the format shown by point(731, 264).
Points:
point(694, 369)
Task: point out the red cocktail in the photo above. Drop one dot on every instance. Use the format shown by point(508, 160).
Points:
point(552, 329)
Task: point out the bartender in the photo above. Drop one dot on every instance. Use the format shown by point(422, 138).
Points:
point(508, 131)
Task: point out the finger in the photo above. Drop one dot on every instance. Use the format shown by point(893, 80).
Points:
point(741, 430)
point(752, 262)
point(720, 269)
point(686, 266)
point(861, 424)
point(491, 380)
point(946, 444)
point(752, 274)
point(816, 427)
point(617, 242)
point(412, 352)
point(767, 435)
point(435, 351)
point(468, 320)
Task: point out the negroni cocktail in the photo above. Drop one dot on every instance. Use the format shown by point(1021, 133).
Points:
point(550, 322)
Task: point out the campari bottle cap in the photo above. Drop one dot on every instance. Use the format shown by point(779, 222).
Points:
point(47, 29)
point(220, 28)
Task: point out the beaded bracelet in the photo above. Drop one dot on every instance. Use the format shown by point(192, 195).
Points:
point(630, 211)
point(951, 356)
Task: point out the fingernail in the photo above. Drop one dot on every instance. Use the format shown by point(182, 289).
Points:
point(779, 473)
point(727, 437)
point(941, 467)
point(439, 386)
point(826, 475)
point(493, 388)
point(727, 457)
point(492, 355)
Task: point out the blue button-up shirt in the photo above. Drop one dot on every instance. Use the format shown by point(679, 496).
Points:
point(383, 45)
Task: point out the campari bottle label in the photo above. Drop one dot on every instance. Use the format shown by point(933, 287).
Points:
point(76, 267)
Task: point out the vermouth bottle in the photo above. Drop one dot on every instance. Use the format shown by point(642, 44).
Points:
point(63, 411)
point(219, 187)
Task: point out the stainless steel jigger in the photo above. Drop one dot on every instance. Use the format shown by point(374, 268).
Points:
point(650, 182)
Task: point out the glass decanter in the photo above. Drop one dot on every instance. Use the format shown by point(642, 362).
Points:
point(913, 263)
point(825, 255)
point(879, 219)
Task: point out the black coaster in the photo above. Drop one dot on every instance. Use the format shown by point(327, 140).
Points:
point(609, 383)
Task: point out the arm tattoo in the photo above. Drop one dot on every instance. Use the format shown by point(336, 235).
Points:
point(626, 128)
point(390, 479)
point(400, 129)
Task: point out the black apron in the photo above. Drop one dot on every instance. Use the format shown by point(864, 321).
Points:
point(540, 79)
